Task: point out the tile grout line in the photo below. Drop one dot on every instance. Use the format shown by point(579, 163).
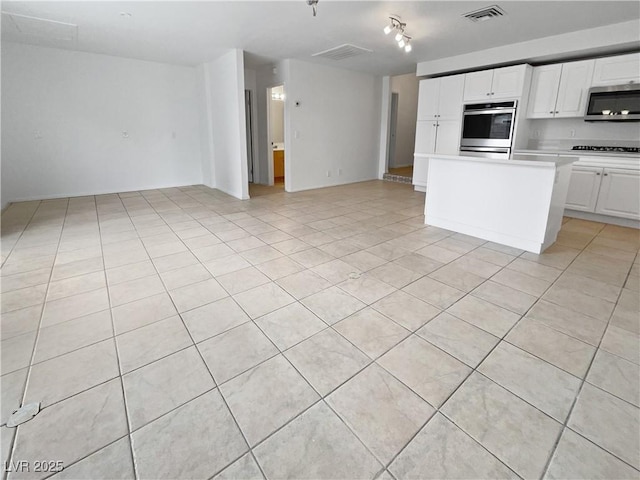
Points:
point(581, 386)
point(37, 335)
point(215, 387)
point(305, 306)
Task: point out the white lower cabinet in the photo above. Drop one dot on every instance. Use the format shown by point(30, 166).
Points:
point(420, 171)
point(605, 191)
point(448, 137)
point(426, 136)
point(583, 188)
point(619, 193)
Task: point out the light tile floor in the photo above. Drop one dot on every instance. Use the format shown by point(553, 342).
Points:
point(180, 333)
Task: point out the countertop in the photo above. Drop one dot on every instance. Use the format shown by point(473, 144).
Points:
point(579, 153)
point(539, 160)
point(593, 159)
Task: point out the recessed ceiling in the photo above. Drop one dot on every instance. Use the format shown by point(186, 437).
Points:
point(190, 33)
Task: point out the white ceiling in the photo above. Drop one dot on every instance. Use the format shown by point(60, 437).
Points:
point(190, 33)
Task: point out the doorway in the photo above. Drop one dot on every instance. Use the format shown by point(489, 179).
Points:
point(275, 119)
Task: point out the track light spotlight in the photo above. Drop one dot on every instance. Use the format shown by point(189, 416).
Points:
point(400, 37)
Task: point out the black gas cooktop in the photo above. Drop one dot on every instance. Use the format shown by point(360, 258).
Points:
point(591, 148)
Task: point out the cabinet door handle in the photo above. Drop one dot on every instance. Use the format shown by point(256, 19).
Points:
point(557, 111)
point(492, 93)
point(606, 174)
point(551, 112)
point(598, 173)
point(488, 94)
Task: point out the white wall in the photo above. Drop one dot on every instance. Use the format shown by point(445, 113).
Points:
point(562, 133)
point(335, 127)
point(224, 115)
point(406, 86)
point(63, 118)
point(582, 43)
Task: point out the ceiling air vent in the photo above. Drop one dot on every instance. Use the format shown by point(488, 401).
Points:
point(484, 14)
point(342, 52)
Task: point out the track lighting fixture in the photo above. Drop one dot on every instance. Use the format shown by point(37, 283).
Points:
point(314, 5)
point(401, 37)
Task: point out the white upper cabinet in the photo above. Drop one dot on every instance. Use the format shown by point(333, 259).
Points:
point(477, 85)
point(508, 82)
point(560, 90)
point(496, 84)
point(544, 91)
point(574, 88)
point(428, 94)
point(440, 98)
point(450, 98)
point(617, 70)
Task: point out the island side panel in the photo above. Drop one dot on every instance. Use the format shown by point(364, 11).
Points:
point(504, 202)
point(558, 201)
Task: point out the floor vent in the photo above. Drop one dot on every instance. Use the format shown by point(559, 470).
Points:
point(484, 14)
point(343, 51)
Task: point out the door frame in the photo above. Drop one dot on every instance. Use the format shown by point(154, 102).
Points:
point(269, 146)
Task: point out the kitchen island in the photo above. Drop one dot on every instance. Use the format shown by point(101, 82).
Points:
point(517, 202)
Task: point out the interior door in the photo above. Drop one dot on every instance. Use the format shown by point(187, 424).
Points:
point(249, 133)
point(393, 125)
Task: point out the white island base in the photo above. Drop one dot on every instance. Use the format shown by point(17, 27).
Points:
point(517, 202)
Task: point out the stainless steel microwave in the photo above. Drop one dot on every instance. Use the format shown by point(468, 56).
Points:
point(620, 103)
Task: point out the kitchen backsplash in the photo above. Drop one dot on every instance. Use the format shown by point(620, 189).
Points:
point(563, 133)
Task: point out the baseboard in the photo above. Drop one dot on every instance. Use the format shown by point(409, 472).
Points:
point(595, 217)
point(349, 182)
point(33, 198)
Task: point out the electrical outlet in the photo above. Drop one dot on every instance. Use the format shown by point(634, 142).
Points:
point(125, 134)
point(296, 134)
point(173, 135)
point(339, 171)
point(572, 133)
point(328, 173)
point(37, 134)
point(536, 134)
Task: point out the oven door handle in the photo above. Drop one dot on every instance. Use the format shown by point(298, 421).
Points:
point(485, 149)
point(490, 112)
